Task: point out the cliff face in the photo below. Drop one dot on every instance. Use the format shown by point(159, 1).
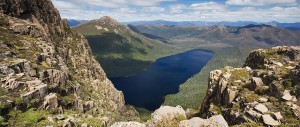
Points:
point(48, 70)
point(264, 92)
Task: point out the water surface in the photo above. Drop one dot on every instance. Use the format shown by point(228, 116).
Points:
point(148, 89)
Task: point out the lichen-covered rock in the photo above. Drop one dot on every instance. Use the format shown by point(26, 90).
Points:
point(256, 95)
point(167, 116)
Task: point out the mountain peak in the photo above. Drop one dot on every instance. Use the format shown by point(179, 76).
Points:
point(108, 20)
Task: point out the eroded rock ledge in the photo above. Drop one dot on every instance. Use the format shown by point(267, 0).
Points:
point(264, 92)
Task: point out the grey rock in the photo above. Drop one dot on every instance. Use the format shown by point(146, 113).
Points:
point(214, 121)
point(256, 82)
point(230, 95)
point(268, 120)
point(277, 115)
point(60, 117)
point(261, 108)
point(166, 113)
point(287, 96)
point(84, 125)
point(51, 101)
point(128, 124)
point(254, 114)
point(263, 99)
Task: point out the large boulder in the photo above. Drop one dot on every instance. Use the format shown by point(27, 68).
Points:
point(166, 116)
point(128, 124)
point(214, 121)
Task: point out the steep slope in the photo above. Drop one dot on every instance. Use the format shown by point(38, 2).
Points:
point(120, 50)
point(48, 73)
point(264, 92)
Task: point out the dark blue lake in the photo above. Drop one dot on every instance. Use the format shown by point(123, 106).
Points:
point(148, 88)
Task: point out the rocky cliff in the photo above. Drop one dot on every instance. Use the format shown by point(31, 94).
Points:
point(264, 92)
point(48, 73)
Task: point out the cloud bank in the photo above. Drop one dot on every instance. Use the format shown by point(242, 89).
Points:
point(180, 10)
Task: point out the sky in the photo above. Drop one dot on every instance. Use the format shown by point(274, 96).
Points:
point(182, 10)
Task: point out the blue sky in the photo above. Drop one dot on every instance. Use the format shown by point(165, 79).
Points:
point(182, 10)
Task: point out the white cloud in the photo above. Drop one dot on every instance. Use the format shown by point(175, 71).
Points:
point(261, 2)
point(177, 8)
point(153, 9)
point(147, 2)
point(208, 6)
point(206, 11)
point(111, 3)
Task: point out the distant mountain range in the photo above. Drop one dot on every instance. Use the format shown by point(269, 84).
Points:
point(290, 26)
point(73, 22)
point(227, 35)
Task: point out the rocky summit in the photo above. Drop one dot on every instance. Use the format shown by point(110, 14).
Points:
point(265, 92)
point(48, 74)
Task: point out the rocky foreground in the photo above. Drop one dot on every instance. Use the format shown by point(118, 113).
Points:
point(48, 74)
point(265, 91)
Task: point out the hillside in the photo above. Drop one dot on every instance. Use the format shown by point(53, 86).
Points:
point(121, 50)
point(48, 73)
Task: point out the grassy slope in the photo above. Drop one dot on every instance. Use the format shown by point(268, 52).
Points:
point(126, 51)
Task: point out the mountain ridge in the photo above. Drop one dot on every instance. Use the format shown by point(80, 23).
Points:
point(116, 45)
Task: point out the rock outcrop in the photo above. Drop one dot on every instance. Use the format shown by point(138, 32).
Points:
point(214, 121)
point(264, 92)
point(48, 67)
point(167, 116)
